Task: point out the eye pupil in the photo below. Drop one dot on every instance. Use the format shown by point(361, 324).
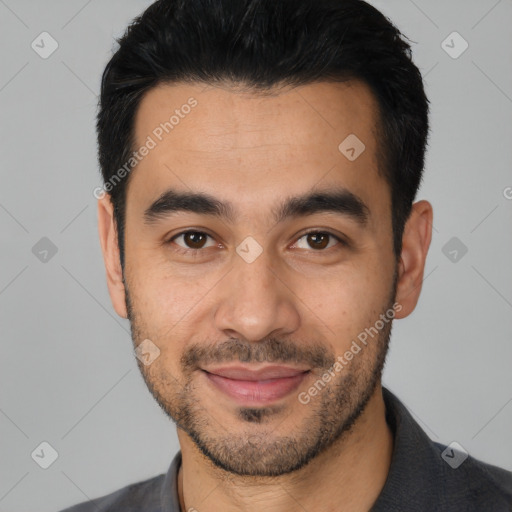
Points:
point(194, 239)
point(318, 240)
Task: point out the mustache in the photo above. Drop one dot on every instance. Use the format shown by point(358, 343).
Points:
point(268, 350)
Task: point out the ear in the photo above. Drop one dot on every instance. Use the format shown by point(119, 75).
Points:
point(415, 243)
point(110, 248)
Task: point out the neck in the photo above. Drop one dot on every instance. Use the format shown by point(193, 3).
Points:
point(351, 472)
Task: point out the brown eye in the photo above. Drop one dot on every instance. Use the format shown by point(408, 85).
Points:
point(192, 240)
point(318, 240)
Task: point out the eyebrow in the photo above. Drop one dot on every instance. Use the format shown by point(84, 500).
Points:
point(339, 201)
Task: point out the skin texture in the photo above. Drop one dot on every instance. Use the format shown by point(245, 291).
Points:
point(297, 303)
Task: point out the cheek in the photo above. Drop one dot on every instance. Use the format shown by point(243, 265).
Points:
point(169, 294)
point(345, 304)
point(171, 311)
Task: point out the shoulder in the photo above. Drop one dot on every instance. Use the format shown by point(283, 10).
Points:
point(482, 484)
point(144, 495)
point(427, 475)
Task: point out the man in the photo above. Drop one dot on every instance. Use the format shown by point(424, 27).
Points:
point(260, 162)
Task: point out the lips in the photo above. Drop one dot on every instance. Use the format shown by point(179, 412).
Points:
point(250, 386)
point(264, 373)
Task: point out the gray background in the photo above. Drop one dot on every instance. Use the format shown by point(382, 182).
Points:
point(68, 374)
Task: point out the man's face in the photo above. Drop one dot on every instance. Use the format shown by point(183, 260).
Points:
point(250, 310)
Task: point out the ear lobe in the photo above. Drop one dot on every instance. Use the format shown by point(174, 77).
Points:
point(111, 257)
point(415, 244)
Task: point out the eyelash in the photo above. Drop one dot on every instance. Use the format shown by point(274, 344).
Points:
point(195, 252)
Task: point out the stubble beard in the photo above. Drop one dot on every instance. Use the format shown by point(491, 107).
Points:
point(256, 449)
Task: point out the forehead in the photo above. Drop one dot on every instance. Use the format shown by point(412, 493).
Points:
point(228, 116)
point(249, 145)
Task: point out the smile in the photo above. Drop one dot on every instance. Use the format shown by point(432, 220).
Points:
point(255, 387)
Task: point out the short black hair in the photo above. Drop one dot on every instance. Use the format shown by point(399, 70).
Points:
point(260, 45)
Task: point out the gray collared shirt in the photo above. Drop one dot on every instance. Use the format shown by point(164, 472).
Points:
point(419, 479)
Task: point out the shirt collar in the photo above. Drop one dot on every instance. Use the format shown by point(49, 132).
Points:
point(169, 499)
point(415, 462)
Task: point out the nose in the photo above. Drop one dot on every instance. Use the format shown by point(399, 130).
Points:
point(256, 302)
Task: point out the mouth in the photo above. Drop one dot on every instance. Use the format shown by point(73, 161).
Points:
point(261, 386)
